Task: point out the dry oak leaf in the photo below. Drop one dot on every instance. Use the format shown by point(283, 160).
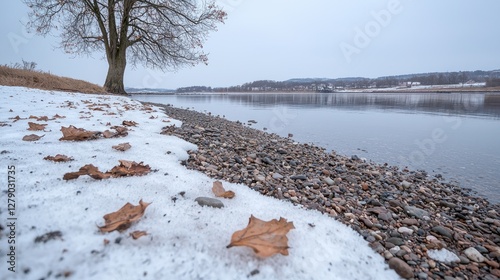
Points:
point(122, 147)
point(265, 238)
point(126, 168)
point(129, 168)
point(123, 218)
point(32, 137)
point(16, 118)
point(35, 126)
point(42, 118)
point(121, 131)
point(58, 158)
point(219, 190)
point(129, 123)
point(72, 133)
point(138, 234)
point(89, 170)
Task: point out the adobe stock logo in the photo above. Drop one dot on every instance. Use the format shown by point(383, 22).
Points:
point(16, 40)
point(364, 36)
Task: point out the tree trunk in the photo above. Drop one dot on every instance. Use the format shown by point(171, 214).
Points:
point(116, 71)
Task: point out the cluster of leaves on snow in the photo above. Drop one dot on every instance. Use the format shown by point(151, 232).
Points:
point(265, 238)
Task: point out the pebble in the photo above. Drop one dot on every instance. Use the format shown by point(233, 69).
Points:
point(422, 275)
point(298, 177)
point(329, 181)
point(277, 176)
point(396, 241)
point(405, 230)
point(416, 212)
point(410, 222)
point(394, 250)
point(208, 201)
point(402, 268)
point(474, 255)
point(406, 184)
point(444, 231)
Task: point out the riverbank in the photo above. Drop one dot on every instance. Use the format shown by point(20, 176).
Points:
point(405, 215)
point(50, 222)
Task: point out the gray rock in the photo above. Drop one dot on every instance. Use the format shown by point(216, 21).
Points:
point(405, 184)
point(298, 177)
point(386, 216)
point(422, 275)
point(444, 231)
point(208, 201)
point(328, 181)
point(268, 161)
point(463, 260)
point(474, 255)
point(394, 250)
point(396, 241)
point(416, 212)
point(401, 268)
point(277, 176)
point(260, 178)
point(405, 230)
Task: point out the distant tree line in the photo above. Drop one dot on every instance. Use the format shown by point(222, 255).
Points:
point(493, 82)
point(194, 89)
point(491, 78)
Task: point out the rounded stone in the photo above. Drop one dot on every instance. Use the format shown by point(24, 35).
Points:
point(208, 201)
point(401, 268)
point(474, 255)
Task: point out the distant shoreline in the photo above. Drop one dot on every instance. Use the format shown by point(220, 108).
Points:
point(495, 90)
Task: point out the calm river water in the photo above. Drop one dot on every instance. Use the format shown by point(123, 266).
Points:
point(456, 135)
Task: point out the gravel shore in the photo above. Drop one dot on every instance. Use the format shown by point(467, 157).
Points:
point(406, 216)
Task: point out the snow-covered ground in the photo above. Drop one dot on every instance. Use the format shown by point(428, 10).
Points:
point(184, 241)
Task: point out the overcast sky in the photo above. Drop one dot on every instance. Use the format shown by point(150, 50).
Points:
point(283, 39)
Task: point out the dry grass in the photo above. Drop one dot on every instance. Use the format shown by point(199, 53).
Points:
point(36, 79)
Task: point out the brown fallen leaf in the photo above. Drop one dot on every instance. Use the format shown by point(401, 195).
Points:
point(56, 116)
point(121, 131)
point(42, 118)
point(32, 137)
point(219, 190)
point(123, 218)
point(72, 133)
point(138, 234)
point(122, 147)
point(129, 168)
point(35, 126)
point(89, 170)
point(265, 238)
point(126, 168)
point(129, 123)
point(16, 118)
point(58, 158)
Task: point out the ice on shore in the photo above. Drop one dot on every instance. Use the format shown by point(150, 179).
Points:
point(184, 241)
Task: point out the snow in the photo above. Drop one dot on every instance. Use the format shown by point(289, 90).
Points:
point(443, 255)
point(184, 241)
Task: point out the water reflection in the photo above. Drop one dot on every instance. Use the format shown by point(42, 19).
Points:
point(474, 104)
point(398, 129)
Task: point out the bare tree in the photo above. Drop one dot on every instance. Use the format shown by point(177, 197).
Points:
point(160, 34)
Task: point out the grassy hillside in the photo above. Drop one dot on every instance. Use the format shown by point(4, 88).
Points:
point(10, 76)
